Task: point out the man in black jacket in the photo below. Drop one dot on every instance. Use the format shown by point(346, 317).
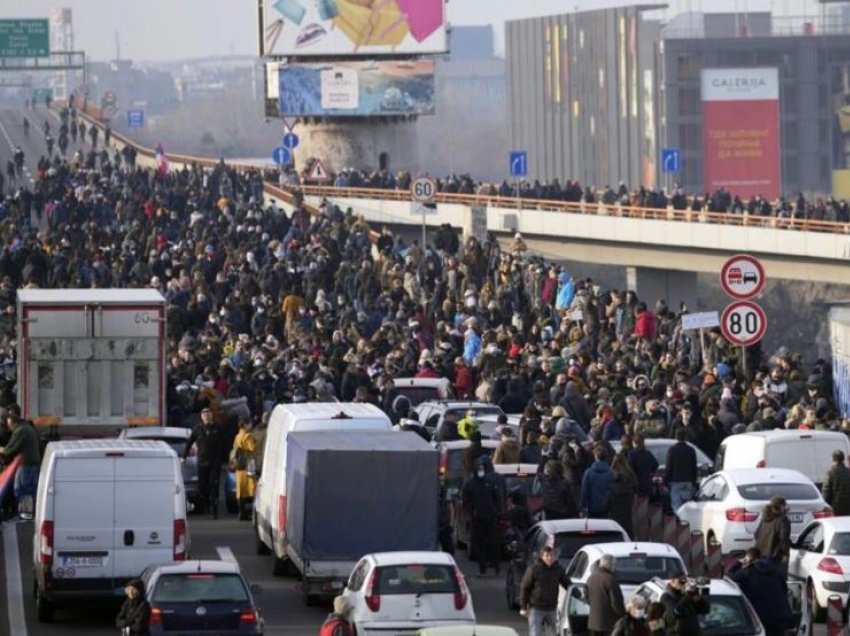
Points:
point(836, 486)
point(483, 503)
point(683, 605)
point(680, 472)
point(539, 592)
point(212, 446)
point(764, 585)
point(644, 465)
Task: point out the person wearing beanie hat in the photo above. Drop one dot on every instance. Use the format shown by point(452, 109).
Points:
point(135, 614)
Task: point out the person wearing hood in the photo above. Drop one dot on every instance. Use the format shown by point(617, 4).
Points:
point(556, 493)
point(483, 503)
point(596, 487)
point(135, 614)
point(576, 406)
point(766, 589)
point(566, 292)
point(507, 452)
point(773, 534)
point(836, 485)
point(566, 426)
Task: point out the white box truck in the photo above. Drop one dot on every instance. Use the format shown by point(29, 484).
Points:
point(91, 360)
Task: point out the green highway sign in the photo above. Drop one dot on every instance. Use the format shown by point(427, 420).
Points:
point(24, 38)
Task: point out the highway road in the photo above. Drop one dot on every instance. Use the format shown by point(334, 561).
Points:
point(280, 600)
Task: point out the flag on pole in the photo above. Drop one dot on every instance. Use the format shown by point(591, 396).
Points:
point(161, 160)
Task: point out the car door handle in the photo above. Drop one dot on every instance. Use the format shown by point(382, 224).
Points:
point(129, 537)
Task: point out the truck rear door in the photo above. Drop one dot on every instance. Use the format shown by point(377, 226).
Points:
point(83, 500)
point(145, 493)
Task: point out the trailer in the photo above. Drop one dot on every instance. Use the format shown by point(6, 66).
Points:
point(91, 361)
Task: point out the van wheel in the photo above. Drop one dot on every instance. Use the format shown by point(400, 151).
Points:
point(44, 609)
point(308, 599)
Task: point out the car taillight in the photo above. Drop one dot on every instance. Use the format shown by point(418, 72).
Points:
point(741, 514)
point(281, 513)
point(248, 616)
point(461, 595)
point(179, 539)
point(45, 545)
point(761, 463)
point(373, 601)
point(823, 514)
point(828, 564)
point(156, 616)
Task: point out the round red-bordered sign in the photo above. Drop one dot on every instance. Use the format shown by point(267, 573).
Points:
point(743, 323)
point(742, 277)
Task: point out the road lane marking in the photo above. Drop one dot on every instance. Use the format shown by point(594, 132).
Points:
point(14, 585)
point(226, 554)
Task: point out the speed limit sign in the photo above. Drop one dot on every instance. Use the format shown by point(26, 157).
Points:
point(423, 190)
point(743, 323)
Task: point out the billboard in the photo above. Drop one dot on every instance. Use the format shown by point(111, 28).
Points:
point(364, 89)
point(352, 27)
point(740, 118)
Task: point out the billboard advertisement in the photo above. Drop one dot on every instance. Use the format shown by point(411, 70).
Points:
point(741, 142)
point(364, 89)
point(306, 28)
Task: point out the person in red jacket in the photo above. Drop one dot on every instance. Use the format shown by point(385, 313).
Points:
point(644, 322)
point(336, 624)
point(464, 381)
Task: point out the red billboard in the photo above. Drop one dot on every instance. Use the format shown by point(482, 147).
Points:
point(741, 144)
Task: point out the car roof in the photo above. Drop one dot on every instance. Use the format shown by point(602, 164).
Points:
point(420, 382)
point(148, 432)
point(460, 444)
point(203, 566)
point(789, 434)
point(411, 556)
point(718, 587)
point(515, 469)
point(556, 526)
point(764, 475)
point(836, 524)
point(458, 404)
point(625, 548)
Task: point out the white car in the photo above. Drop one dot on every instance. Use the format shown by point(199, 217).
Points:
point(820, 558)
point(728, 506)
point(176, 438)
point(635, 562)
point(402, 592)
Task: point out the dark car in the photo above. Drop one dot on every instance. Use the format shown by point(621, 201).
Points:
point(451, 462)
point(210, 597)
point(566, 536)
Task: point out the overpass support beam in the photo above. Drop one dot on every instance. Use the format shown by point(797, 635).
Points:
point(652, 284)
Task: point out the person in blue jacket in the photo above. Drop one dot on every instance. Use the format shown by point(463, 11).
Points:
point(566, 291)
point(596, 486)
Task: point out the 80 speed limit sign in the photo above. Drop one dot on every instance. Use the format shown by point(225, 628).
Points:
point(743, 323)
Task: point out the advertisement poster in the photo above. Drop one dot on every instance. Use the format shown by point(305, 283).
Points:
point(741, 138)
point(352, 27)
point(357, 89)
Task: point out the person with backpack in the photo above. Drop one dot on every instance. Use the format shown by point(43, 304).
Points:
point(336, 624)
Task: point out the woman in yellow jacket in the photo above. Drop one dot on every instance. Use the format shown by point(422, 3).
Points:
point(243, 456)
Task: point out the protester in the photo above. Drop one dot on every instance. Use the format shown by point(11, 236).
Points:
point(596, 486)
point(684, 604)
point(24, 443)
point(243, 458)
point(539, 593)
point(605, 598)
point(209, 440)
point(482, 502)
point(680, 471)
point(635, 622)
point(135, 614)
point(773, 534)
point(337, 623)
point(836, 485)
point(765, 587)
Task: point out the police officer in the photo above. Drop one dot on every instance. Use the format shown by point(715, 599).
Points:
point(211, 444)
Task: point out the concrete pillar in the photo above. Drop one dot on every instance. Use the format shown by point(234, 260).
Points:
point(651, 284)
point(359, 144)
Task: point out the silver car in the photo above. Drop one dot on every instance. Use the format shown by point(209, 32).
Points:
point(176, 438)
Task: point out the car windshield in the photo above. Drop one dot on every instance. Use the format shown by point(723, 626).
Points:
point(764, 492)
point(659, 451)
point(840, 545)
point(637, 568)
point(568, 543)
point(200, 586)
point(412, 578)
point(454, 466)
point(728, 615)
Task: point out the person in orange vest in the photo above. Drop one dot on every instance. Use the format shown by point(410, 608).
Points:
point(336, 624)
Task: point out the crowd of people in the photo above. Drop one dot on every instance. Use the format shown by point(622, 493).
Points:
point(268, 307)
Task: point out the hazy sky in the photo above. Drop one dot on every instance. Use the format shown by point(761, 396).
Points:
point(168, 29)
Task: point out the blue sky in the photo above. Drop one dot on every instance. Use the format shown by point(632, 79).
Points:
point(175, 29)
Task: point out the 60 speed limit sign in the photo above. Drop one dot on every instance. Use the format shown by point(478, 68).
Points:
point(743, 323)
point(423, 190)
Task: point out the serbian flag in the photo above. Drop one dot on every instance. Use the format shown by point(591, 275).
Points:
point(161, 160)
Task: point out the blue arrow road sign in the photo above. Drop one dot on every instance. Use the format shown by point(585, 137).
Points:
point(290, 141)
point(671, 160)
point(135, 118)
point(518, 160)
point(281, 156)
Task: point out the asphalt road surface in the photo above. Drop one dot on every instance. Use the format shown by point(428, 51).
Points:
point(279, 600)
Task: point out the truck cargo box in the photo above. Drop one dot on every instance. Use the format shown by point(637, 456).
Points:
point(91, 358)
point(355, 492)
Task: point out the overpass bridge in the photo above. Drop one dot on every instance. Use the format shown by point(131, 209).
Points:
point(662, 250)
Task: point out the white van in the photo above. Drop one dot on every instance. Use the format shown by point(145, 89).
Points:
point(270, 494)
point(808, 451)
point(105, 510)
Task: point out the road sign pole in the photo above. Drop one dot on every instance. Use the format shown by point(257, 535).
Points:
point(744, 362)
point(702, 345)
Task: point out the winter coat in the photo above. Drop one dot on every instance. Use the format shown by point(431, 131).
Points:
point(136, 615)
point(683, 612)
point(481, 498)
point(211, 444)
point(539, 586)
point(836, 489)
point(773, 535)
point(596, 490)
point(645, 325)
point(765, 587)
point(643, 465)
point(566, 291)
point(557, 498)
point(681, 464)
point(245, 448)
point(622, 500)
point(507, 452)
point(628, 626)
point(605, 600)
point(576, 406)
point(23, 442)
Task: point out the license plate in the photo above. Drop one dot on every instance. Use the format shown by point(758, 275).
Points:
point(795, 517)
point(82, 561)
